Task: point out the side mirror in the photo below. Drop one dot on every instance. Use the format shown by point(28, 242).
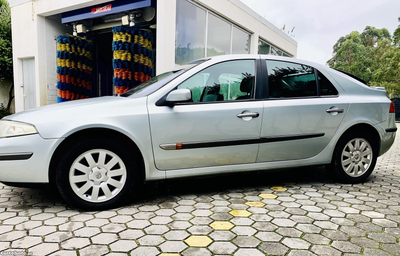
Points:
point(179, 95)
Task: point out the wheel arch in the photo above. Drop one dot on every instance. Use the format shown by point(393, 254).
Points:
point(93, 133)
point(362, 127)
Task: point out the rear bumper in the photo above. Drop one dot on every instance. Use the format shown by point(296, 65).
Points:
point(387, 131)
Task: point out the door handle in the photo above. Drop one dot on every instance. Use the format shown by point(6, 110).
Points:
point(248, 114)
point(333, 110)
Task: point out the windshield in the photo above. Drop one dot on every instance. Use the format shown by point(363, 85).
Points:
point(153, 84)
point(159, 81)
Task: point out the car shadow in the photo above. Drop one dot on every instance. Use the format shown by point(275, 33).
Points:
point(155, 192)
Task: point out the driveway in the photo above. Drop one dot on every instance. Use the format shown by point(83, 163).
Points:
point(294, 212)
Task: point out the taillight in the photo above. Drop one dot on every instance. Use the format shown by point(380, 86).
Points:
point(392, 109)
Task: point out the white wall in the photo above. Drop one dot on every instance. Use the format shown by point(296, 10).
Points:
point(25, 41)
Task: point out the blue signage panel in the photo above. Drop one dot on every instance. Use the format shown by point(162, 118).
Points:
point(104, 9)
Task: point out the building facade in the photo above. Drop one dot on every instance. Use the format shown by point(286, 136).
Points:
point(166, 35)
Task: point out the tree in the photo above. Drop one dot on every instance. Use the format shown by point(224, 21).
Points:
point(6, 64)
point(372, 55)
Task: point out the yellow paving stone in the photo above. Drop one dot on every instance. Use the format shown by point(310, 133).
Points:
point(221, 225)
point(278, 188)
point(397, 170)
point(255, 204)
point(268, 196)
point(198, 241)
point(240, 213)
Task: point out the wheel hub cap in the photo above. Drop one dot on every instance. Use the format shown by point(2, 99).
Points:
point(357, 157)
point(98, 175)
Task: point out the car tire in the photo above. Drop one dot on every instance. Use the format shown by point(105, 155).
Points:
point(354, 157)
point(96, 174)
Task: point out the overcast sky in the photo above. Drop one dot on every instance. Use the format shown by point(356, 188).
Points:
point(320, 23)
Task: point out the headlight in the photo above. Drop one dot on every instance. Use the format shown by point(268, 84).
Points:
point(11, 129)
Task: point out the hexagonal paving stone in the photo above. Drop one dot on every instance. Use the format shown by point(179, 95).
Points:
point(43, 249)
point(199, 230)
point(198, 241)
point(273, 248)
point(139, 224)
point(222, 235)
point(255, 204)
point(345, 246)
point(123, 246)
point(268, 196)
point(26, 242)
point(94, 250)
point(221, 225)
point(131, 234)
point(284, 222)
point(173, 246)
point(113, 228)
point(145, 251)
point(222, 248)
point(296, 243)
point(196, 251)
point(104, 238)
point(238, 221)
point(278, 188)
point(268, 236)
point(156, 229)
point(244, 231)
point(248, 251)
point(86, 232)
point(177, 235)
point(154, 240)
point(325, 250)
point(240, 213)
point(58, 237)
point(75, 243)
point(246, 241)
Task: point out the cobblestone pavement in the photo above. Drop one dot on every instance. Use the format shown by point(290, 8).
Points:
point(294, 212)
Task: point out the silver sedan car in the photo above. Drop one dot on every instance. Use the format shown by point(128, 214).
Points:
point(218, 115)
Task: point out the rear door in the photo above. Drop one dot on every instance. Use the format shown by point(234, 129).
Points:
point(302, 112)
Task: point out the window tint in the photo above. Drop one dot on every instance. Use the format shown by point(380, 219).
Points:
point(232, 80)
point(326, 88)
point(290, 80)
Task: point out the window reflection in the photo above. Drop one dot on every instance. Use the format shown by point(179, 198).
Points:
point(286, 80)
point(240, 42)
point(219, 36)
point(190, 32)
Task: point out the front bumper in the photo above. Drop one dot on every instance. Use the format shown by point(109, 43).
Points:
point(26, 159)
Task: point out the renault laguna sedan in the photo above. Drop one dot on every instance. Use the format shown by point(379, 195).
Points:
point(218, 115)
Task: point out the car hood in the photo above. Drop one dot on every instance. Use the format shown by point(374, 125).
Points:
point(57, 120)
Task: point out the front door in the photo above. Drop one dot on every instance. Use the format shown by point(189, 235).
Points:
point(220, 127)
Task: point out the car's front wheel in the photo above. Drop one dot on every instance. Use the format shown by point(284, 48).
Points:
point(96, 174)
point(354, 158)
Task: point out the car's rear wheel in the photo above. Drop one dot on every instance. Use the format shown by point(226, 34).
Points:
point(96, 174)
point(354, 158)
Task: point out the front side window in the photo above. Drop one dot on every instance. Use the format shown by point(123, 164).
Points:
point(288, 80)
point(231, 80)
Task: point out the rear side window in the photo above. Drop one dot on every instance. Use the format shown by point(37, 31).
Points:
point(289, 80)
point(326, 88)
